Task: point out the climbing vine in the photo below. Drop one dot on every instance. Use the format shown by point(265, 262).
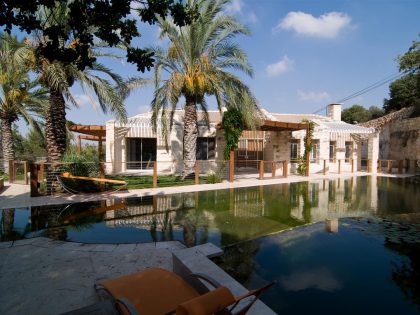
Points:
point(301, 169)
point(233, 125)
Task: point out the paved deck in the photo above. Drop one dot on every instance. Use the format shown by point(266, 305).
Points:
point(17, 195)
point(43, 276)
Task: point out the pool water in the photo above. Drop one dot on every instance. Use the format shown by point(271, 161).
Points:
point(223, 217)
point(363, 267)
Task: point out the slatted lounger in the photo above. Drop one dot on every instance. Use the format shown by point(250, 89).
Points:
point(121, 183)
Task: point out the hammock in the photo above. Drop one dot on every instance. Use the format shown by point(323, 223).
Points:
point(87, 181)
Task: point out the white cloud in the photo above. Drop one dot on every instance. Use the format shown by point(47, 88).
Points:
point(285, 64)
point(313, 96)
point(252, 18)
point(327, 25)
point(234, 7)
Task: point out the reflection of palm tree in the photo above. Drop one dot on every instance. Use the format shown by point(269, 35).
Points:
point(8, 219)
point(407, 275)
point(239, 261)
point(191, 219)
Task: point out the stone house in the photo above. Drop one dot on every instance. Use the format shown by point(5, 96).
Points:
point(132, 147)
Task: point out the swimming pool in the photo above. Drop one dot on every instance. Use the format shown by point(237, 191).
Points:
point(224, 217)
point(363, 267)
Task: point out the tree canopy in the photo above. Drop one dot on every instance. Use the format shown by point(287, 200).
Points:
point(107, 20)
point(405, 91)
point(359, 114)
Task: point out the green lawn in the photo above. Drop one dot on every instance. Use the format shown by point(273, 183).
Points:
point(138, 182)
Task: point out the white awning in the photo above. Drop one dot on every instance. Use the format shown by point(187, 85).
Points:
point(343, 127)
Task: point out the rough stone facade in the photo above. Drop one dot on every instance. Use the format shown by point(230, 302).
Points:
point(400, 140)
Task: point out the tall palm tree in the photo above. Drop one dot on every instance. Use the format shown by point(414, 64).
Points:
point(59, 77)
point(20, 97)
point(198, 63)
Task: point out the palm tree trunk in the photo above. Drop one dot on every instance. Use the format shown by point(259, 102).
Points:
point(55, 127)
point(7, 143)
point(190, 136)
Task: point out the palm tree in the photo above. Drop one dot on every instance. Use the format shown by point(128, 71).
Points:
point(197, 63)
point(59, 77)
point(20, 97)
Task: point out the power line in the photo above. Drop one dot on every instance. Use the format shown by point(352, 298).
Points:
point(371, 87)
point(366, 89)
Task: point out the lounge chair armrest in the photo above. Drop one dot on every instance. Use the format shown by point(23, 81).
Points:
point(255, 293)
point(206, 278)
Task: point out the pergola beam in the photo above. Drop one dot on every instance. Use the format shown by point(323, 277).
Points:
point(93, 130)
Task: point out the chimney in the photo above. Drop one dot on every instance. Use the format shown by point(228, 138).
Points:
point(334, 111)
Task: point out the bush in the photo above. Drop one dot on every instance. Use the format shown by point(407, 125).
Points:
point(213, 178)
point(80, 164)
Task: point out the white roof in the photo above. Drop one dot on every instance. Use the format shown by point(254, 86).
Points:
point(342, 127)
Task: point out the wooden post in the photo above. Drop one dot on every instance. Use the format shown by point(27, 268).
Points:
point(261, 169)
point(379, 166)
point(389, 166)
point(339, 166)
point(231, 166)
point(400, 166)
point(25, 171)
point(368, 166)
point(197, 177)
point(308, 154)
point(154, 174)
point(33, 169)
point(284, 168)
point(41, 172)
point(100, 148)
point(11, 171)
point(79, 144)
point(325, 167)
point(273, 169)
point(352, 165)
point(102, 170)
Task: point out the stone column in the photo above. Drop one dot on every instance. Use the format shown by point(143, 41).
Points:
point(110, 147)
point(359, 146)
point(373, 151)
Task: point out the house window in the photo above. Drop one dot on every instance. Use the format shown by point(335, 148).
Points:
point(294, 149)
point(349, 150)
point(332, 151)
point(315, 150)
point(141, 152)
point(205, 148)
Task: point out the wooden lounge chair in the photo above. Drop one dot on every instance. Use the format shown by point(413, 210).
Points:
point(157, 291)
point(83, 179)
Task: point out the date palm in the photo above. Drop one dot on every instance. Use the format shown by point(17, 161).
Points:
point(20, 96)
point(198, 64)
point(59, 77)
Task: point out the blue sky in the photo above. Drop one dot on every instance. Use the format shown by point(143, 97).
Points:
point(305, 54)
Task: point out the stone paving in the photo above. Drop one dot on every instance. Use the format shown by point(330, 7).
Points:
point(43, 276)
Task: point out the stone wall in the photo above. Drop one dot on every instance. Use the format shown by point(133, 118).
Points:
point(400, 140)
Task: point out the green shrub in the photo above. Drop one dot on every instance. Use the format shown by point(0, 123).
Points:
point(80, 164)
point(213, 178)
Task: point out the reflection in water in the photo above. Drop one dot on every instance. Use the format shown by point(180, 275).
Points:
point(407, 274)
point(223, 217)
point(318, 278)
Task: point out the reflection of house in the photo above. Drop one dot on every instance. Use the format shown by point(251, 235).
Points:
point(132, 147)
point(338, 198)
point(143, 213)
